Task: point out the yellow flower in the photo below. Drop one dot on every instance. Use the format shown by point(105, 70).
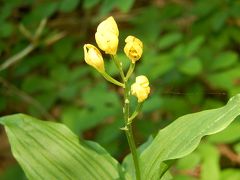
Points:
point(141, 88)
point(93, 57)
point(133, 48)
point(107, 36)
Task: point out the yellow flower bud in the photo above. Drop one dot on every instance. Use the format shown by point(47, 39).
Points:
point(107, 36)
point(141, 88)
point(133, 48)
point(93, 57)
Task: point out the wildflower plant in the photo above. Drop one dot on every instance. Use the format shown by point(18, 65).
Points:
point(107, 40)
point(49, 150)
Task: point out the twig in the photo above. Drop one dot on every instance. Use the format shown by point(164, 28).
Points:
point(17, 57)
point(34, 43)
point(25, 32)
point(40, 28)
point(227, 152)
point(56, 37)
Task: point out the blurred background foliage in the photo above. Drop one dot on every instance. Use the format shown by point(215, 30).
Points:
point(191, 56)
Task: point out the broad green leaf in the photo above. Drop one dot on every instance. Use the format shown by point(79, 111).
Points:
point(47, 150)
point(182, 136)
point(229, 135)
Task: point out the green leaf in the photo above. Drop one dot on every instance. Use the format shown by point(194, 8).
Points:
point(189, 162)
point(107, 6)
point(12, 172)
point(47, 150)
point(210, 161)
point(230, 174)
point(219, 19)
point(6, 29)
point(79, 120)
point(68, 5)
point(229, 135)
point(225, 79)
point(194, 45)
point(191, 67)
point(125, 5)
point(237, 148)
point(43, 10)
point(162, 64)
point(224, 60)
point(182, 136)
point(169, 40)
point(90, 3)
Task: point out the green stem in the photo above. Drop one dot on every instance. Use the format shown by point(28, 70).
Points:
point(129, 132)
point(135, 113)
point(128, 127)
point(112, 80)
point(119, 66)
point(40, 29)
point(17, 57)
point(130, 70)
point(34, 43)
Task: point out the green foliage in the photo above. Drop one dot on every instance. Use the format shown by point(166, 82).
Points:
point(52, 150)
point(191, 56)
point(183, 135)
point(13, 172)
point(47, 150)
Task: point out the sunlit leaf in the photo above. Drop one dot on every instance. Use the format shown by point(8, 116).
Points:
point(183, 136)
point(47, 150)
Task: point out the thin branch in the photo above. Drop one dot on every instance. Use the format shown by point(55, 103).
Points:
point(12, 60)
point(33, 44)
point(25, 32)
point(227, 152)
point(40, 28)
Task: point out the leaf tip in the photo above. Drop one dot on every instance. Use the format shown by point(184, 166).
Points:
point(11, 119)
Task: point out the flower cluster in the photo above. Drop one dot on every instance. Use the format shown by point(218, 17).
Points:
point(107, 40)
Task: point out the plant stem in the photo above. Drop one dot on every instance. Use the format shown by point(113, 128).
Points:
point(135, 113)
point(129, 132)
point(128, 126)
point(112, 80)
point(130, 70)
point(17, 57)
point(34, 43)
point(119, 66)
